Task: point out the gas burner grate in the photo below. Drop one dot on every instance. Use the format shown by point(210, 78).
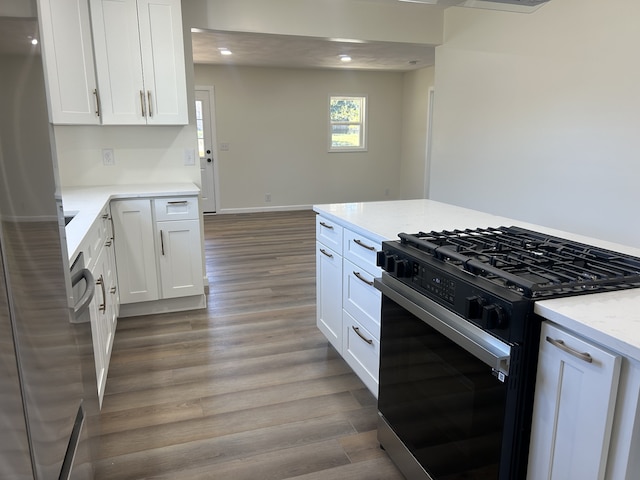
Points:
point(534, 264)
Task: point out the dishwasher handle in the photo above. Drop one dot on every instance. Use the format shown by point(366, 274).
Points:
point(84, 301)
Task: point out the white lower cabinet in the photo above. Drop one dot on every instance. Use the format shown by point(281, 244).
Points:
point(135, 250)
point(158, 254)
point(329, 294)
point(179, 262)
point(575, 397)
point(361, 350)
point(348, 305)
point(97, 251)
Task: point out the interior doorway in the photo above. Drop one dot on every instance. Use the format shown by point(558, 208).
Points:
point(207, 148)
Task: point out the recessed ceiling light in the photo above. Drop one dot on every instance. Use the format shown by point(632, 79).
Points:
point(344, 58)
point(224, 51)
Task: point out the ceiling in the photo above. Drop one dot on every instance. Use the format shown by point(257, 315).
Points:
point(267, 50)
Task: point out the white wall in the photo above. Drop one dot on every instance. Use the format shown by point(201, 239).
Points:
point(275, 121)
point(536, 116)
point(414, 133)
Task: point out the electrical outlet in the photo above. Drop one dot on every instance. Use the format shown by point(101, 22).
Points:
point(108, 158)
point(224, 147)
point(267, 197)
point(189, 157)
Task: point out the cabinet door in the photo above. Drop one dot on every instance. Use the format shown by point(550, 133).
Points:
point(69, 63)
point(135, 250)
point(162, 49)
point(118, 61)
point(99, 328)
point(576, 388)
point(179, 258)
point(329, 294)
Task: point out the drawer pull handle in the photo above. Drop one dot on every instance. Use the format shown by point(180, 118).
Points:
point(326, 253)
point(103, 305)
point(364, 245)
point(107, 243)
point(326, 225)
point(105, 216)
point(162, 242)
point(181, 202)
point(357, 330)
point(561, 345)
point(113, 290)
point(362, 279)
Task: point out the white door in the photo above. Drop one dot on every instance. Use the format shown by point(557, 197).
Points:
point(205, 121)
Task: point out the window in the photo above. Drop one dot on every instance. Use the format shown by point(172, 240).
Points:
point(200, 128)
point(347, 127)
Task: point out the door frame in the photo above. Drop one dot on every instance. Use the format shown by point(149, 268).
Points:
point(214, 140)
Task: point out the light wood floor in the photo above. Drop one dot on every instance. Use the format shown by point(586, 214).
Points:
point(248, 388)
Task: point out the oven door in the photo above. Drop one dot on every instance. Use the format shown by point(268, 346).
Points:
point(443, 390)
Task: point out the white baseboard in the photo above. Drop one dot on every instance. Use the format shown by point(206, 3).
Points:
point(281, 208)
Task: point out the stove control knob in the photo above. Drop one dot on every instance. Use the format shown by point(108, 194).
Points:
point(402, 269)
point(386, 261)
point(493, 317)
point(473, 307)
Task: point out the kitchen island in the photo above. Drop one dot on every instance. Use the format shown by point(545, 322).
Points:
point(610, 320)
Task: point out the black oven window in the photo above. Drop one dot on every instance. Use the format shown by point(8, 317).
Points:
point(446, 405)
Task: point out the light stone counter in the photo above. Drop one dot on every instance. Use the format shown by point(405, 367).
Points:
point(611, 319)
point(86, 203)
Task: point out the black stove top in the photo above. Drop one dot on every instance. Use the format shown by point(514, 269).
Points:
point(492, 276)
point(533, 264)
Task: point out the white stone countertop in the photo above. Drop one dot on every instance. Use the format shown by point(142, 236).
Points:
point(611, 319)
point(86, 203)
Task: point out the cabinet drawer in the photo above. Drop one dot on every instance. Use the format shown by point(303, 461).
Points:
point(329, 233)
point(180, 208)
point(361, 350)
point(360, 298)
point(361, 251)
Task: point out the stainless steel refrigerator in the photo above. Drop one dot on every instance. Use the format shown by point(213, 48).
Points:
point(48, 394)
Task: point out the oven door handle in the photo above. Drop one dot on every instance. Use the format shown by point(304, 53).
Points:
point(479, 343)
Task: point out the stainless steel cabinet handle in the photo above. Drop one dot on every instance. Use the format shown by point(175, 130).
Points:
point(113, 289)
point(179, 202)
point(357, 330)
point(103, 305)
point(326, 225)
point(97, 95)
point(161, 242)
point(362, 279)
point(142, 108)
point(326, 253)
point(149, 98)
point(364, 245)
point(561, 345)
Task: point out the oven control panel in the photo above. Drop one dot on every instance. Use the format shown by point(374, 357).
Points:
point(459, 291)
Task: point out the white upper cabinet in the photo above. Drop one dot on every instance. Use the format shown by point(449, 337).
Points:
point(139, 57)
point(69, 64)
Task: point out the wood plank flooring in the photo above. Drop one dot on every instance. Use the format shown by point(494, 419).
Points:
point(248, 388)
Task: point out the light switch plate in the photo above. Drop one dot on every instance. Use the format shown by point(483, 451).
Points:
point(108, 158)
point(189, 157)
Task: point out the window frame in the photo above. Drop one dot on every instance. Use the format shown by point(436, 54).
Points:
point(362, 123)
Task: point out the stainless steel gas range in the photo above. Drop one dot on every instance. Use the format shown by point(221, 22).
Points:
point(459, 342)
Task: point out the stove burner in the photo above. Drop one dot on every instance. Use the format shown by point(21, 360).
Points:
point(531, 263)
